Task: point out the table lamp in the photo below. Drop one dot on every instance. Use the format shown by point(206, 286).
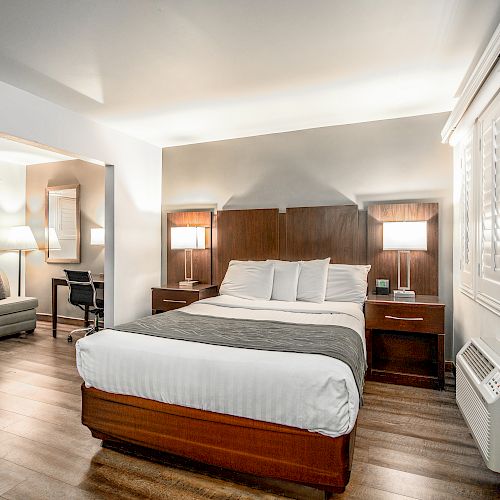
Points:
point(404, 237)
point(187, 238)
point(20, 239)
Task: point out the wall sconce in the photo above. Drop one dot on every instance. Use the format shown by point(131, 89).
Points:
point(97, 236)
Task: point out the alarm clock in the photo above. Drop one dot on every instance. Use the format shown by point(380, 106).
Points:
point(382, 286)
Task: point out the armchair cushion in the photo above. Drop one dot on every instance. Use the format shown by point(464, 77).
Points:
point(17, 317)
point(15, 304)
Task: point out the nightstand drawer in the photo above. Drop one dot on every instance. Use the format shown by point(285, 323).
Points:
point(405, 317)
point(170, 297)
point(167, 300)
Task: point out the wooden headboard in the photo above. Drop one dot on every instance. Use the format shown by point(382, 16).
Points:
point(343, 233)
point(338, 232)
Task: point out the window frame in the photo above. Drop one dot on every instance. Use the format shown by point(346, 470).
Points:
point(482, 287)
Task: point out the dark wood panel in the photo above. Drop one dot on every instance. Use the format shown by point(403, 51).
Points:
point(320, 232)
point(282, 235)
point(202, 259)
point(424, 265)
point(246, 235)
point(215, 246)
point(362, 236)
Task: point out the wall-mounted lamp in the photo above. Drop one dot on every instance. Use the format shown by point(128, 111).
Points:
point(187, 238)
point(97, 236)
point(404, 237)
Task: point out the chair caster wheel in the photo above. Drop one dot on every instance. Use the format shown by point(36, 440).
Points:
point(70, 338)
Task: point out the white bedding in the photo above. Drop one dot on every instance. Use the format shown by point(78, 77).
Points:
point(308, 391)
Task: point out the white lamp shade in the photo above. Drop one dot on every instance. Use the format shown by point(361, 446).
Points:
point(18, 238)
point(187, 238)
point(405, 235)
point(53, 240)
point(97, 236)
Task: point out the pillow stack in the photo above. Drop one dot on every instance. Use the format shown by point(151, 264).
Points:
point(307, 281)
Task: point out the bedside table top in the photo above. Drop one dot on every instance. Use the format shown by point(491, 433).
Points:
point(194, 288)
point(431, 300)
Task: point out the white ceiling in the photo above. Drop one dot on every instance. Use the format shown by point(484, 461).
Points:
point(184, 71)
point(24, 154)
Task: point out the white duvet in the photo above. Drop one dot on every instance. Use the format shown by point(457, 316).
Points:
point(308, 391)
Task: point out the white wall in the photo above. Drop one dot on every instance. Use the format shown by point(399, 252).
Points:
point(132, 261)
point(470, 319)
point(12, 213)
point(389, 160)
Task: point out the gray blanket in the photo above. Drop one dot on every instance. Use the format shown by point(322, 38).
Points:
point(328, 340)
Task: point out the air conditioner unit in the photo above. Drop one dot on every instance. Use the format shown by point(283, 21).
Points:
point(478, 397)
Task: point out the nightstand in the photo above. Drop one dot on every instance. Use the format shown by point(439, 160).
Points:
point(405, 340)
point(170, 297)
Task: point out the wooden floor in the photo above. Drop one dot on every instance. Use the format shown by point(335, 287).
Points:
point(411, 443)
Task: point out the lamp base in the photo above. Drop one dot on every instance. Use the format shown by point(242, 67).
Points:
point(188, 283)
point(404, 295)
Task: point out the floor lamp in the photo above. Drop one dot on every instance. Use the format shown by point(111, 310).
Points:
point(19, 239)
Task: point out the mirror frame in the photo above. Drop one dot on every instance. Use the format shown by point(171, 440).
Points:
point(55, 260)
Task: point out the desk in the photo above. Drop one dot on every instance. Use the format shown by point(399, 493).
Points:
point(62, 282)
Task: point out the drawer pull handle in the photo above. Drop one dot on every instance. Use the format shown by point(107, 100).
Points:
point(404, 319)
point(175, 301)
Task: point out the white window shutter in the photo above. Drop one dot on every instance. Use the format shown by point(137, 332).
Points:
point(466, 216)
point(489, 229)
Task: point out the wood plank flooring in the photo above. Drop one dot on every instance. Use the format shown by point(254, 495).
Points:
point(411, 443)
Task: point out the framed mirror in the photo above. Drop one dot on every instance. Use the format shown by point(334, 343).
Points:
point(62, 224)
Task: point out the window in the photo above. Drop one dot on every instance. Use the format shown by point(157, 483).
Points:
point(488, 285)
point(479, 209)
point(466, 216)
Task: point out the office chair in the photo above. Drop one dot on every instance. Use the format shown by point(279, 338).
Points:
point(82, 294)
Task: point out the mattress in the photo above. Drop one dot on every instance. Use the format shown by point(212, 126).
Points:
point(308, 391)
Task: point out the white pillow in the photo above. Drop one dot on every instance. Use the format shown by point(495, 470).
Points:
point(312, 280)
point(286, 278)
point(248, 279)
point(347, 283)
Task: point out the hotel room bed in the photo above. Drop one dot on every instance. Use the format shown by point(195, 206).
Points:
point(289, 415)
point(308, 391)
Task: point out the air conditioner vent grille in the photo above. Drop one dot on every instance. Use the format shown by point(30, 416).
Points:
point(477, 362)
point(475, 412)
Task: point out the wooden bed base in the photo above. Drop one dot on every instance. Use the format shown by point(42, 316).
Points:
point(236, 443)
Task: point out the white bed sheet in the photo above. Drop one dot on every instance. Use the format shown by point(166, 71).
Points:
point(308, 391)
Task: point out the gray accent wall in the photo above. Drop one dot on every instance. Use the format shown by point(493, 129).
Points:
point(390, 160)
point(39, 273)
